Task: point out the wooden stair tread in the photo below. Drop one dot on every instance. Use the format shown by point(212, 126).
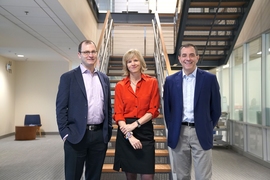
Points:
point(159, 126)
point(159, 168)
point(216, 4)
point(160, 116)
point(158, 152)
point(161, 152)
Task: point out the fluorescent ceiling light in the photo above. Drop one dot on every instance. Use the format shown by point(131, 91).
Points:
point(20, 55)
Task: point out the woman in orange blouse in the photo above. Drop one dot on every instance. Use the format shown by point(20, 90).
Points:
point(136, 104)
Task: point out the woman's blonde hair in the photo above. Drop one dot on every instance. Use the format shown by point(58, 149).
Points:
point(129, 55)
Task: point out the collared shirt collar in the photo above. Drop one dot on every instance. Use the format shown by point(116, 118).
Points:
point(194, 73)
point(127, 79)
point(84, 70)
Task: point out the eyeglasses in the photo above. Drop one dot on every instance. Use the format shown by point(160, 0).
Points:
point(87, 53)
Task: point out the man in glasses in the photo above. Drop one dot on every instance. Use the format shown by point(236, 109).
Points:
point(84, 115)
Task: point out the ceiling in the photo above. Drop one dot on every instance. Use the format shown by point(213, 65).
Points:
point(41, 30)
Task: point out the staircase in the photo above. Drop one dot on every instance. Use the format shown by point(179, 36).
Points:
point(162, 166)
point(213, 26)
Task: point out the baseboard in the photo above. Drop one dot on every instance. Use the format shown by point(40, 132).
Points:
point(49, 133)
point(7, 135)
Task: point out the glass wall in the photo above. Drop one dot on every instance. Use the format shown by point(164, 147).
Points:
point(267, 109)
point(237, 94)
point(238, 135)
point(255, 139)
point(225, 89)
point(249, 95)
point(254, 52)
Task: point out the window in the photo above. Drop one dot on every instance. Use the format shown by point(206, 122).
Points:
point(237, 84)
point(267, 109)
point(254, 82)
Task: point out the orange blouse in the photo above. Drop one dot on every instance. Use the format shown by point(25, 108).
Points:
point(128, 104)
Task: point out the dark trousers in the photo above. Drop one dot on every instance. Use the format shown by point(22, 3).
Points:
point(91, 152)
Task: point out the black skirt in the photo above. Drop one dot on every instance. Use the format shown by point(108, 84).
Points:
point(141, 161)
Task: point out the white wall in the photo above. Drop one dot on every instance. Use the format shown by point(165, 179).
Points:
point(80, 13)
point(30, 88)
point(36, 85)
point(7, 99)
point(256, 23)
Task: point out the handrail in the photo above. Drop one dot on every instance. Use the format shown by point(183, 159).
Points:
point(163, 68)
point(104, 46)
point(163, 49)
point(108, 15)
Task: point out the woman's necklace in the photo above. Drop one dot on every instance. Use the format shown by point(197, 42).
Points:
point(134, 83)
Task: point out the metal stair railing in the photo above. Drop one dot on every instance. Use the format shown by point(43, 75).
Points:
point(105, 44)
point(163, 68)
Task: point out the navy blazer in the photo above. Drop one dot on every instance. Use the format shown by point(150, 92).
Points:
point(207, 107)
point(72, 106)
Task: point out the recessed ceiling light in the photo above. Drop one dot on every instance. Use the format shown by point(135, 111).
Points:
point(20, 55)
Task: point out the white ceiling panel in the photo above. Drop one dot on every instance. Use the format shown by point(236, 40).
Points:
point(45, 33)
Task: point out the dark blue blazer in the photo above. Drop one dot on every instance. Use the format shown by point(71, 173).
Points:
point(207, 107)
point(72, 106)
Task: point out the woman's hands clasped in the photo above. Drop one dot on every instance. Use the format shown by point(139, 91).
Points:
point(127, 128)
point(135, 143)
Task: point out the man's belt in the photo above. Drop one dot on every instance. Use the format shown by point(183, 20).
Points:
point(94, 127)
